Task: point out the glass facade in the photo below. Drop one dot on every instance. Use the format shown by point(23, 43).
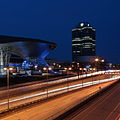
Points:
point(83, 41)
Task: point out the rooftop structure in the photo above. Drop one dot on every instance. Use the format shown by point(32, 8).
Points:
point(27, 48)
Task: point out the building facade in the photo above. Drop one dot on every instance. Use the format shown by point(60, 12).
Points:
point(32, 51)
point(83, 41)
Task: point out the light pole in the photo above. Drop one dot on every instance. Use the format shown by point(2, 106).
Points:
point(68, 69)
point(103, 65)
point(81, 69)
point(85, 71)
point(8, 85)
point(78, 64)
point(47, 69)
point(36, 67)
point(96, 62)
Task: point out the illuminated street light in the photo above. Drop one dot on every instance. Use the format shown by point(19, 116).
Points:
point(44, 68)
point(102, 60)
point(47, 69)
point(59, 66)
point(54, 64)
point(78, 64)
point(8, 83)
point(94, 69)
point(90, 69)
point(5, 68)
point(10, 69)
point(84, 69)
point(65, 68)
point(68, 69)
point(35, 66)
point(96, 60)
point(96, 63)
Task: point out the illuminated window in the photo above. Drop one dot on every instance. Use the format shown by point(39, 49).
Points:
point(76, 44)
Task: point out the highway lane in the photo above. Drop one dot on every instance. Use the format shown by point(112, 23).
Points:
point(41, 86)
point(34, 90)
point(52, 108)
point(22, 99)
point(105, 107)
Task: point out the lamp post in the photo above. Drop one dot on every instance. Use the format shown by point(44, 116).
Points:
point(102, 61)
point(103, 65)
point(47, 69)
point(93, 69)
point(96, 62)
point(68, 69)
point(8, 85)
point(78, 64)
point(36, 67)
point(81, 69)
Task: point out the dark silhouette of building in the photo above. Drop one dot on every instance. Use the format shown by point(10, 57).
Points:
point(83, 41)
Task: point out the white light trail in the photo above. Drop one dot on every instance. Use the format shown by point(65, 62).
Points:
point(72, 87)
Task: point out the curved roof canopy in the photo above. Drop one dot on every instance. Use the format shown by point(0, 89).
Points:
point(26, 47)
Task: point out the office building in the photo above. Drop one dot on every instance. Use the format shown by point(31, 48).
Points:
point(83, 41)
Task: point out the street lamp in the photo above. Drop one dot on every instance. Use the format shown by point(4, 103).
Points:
point(96, 62)
point(59, 66)
point(8, 84)
point(102, 61)
point(93, 69)
point(78, 65)
point(68, 69)
point(47, 69)
point(36, 67)
point(81, 69)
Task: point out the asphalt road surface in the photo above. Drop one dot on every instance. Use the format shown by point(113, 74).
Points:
point(105, 107)
point(41, 93)
point(50, 109)
point(24, 94)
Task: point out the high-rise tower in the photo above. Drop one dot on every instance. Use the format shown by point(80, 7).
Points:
point(83, 41)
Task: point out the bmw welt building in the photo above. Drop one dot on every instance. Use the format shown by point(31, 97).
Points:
point(33, 50)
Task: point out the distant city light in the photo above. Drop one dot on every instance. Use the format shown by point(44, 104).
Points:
point(102, 60)
point(82, 24)
point(49, 68)
point(96, 59)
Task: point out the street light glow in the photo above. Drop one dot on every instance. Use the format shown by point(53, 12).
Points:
point(96, 59)
point(70, 68)
point(10, 68)
point(44, 68)
point(35, 66)
point(5, 68)
point(49, 68)
point(65, 68)
point(102, 60)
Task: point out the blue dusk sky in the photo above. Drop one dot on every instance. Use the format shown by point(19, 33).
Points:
point(53, 20)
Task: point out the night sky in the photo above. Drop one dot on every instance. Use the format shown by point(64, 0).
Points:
point(53, 20)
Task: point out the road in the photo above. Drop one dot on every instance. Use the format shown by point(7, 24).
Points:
point(50, 109)
point(105, 107)
point(50, 84)
point(24, 95)
point(18, 96)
